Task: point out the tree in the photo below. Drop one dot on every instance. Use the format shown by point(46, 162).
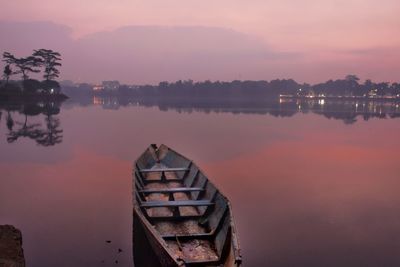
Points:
point(7, 73)
point(9, 58)
point(51, 60)
point(352, 87)
point(24, 65)
point(352, 78)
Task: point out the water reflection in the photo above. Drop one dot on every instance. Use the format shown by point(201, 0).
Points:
point(348, 111)
point(48, 133)
point(306, 190)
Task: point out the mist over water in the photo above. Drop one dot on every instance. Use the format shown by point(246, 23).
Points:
point(310, 186)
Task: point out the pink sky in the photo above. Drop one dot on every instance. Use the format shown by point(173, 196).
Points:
point(334, 37)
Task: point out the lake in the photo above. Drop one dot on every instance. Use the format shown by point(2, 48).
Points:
point(310, 184)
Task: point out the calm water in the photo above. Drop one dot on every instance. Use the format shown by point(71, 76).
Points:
point(306, 190)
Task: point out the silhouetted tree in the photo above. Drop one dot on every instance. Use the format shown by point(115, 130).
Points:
point(24, 65)
point(50, 60)
point(9, 58)
point(367, 86)
point(396, 88)
point(27, 65)
point(383, 88)
point(31, 85)
point(352, 84)
point(352, 78)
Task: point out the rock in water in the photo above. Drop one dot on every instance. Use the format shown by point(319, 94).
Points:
point(11, 252)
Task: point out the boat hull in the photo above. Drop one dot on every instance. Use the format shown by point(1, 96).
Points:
point(179, 217)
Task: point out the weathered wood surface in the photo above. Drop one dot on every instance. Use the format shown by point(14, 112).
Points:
point(178, 203)
point(11, 252)
point(163, 170)
point(172, 190)
point(187, 221)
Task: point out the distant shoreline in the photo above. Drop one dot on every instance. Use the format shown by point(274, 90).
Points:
point(365, 98)
point(342, 89)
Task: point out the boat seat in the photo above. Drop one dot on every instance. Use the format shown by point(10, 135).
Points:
point(178, 180)
point(176, 203)
point(164, 170)
point(187, 236)
point(175, 218)
point(171, 190)
point(202, 262)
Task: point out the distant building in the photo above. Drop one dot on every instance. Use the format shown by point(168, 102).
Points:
point(373, 93)
point(110, 85)
point(98, 88)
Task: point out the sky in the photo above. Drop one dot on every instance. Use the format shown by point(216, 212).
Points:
point(308, 40)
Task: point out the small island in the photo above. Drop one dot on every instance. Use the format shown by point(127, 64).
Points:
point(28, 89)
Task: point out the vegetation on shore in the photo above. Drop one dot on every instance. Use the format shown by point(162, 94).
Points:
point(44, 60)
point(350, 86)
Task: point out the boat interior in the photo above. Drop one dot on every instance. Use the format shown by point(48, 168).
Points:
point(186, 210)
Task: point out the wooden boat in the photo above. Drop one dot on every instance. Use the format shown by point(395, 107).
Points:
point(180, 217)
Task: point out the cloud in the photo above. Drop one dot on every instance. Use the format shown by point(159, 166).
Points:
point(144, 54)
point(150, 54)
point(22, 37)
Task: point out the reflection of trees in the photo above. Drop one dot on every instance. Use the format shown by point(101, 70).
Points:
point(348, 111)
point(49, 135)
point(53, 134)
point(10, 121)
point(31, 131)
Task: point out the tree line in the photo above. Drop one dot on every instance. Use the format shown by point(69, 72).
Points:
point(348, 86)
point(45, 60)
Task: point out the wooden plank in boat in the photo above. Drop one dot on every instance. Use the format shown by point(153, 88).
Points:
point(188, 236)
point(177, 203)
point(172, 190)
point(164, 170)
point(174, 218)
point(179, 180)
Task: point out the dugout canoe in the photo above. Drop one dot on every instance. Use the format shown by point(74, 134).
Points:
point(179, 217)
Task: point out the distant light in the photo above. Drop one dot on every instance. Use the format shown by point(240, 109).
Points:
point(321, 101)
point(300, 89)
point(356, 105)
point(51, 90)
